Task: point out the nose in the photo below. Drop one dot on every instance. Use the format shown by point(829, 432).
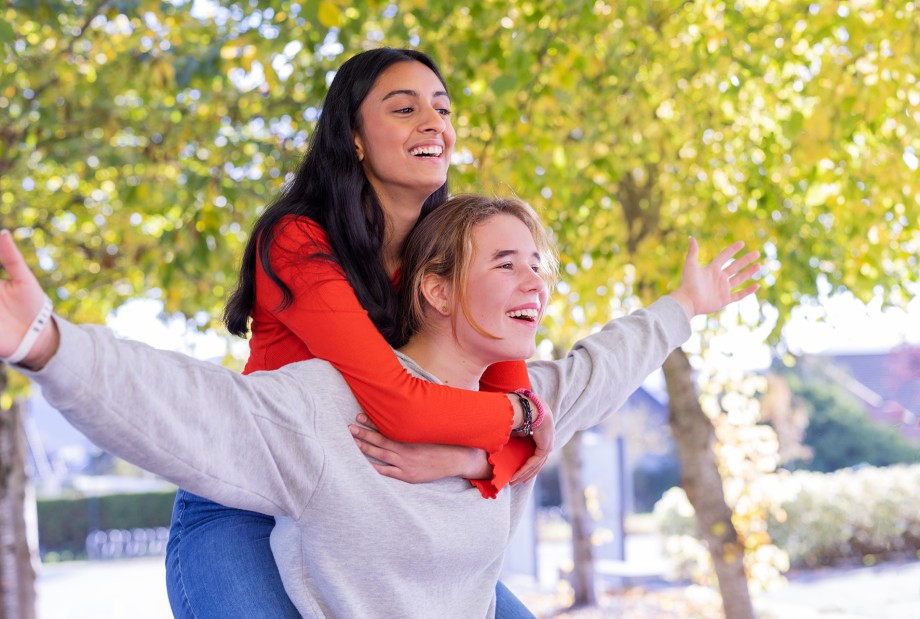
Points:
point(534, 282)
point(432, 120)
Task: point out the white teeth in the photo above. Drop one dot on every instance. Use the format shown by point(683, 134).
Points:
point(523, 313)
point(427, 150)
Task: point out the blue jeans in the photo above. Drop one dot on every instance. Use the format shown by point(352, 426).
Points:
point(219, 565)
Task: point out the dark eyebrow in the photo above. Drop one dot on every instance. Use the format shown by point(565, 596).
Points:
point(505, 253)
point(412, 93)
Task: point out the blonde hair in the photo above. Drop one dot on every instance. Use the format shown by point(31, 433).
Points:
point(442, 244)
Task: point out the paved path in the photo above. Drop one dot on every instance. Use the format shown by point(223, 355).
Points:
point(135, 589)
point(118, 589)
point(887, 591)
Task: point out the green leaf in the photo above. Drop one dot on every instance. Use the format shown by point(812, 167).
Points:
point(329, 14)
point(7, 34)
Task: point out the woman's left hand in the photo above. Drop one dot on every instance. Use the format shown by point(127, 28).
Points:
point(417, 463)
point(707, 289)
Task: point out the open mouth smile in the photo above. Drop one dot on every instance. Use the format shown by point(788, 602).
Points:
point(527, 315)
point(427, 151)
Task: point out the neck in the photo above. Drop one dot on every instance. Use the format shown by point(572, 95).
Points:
point(439, 353)
point(401, 217)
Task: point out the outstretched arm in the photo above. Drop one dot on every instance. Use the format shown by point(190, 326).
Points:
point(167, 412)
point(603, 369)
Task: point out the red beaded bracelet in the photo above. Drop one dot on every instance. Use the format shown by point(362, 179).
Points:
point(537, 402)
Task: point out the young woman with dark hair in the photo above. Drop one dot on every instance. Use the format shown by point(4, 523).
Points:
point(316, 280)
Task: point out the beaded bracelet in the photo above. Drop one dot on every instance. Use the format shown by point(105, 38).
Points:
point(28, 340)
point(525, 428)
point(537, 402)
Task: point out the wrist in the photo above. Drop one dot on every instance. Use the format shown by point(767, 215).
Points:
point(38, 343)
point(517, 412)
point(686, 304)
point(537, 408)
point(526, 427)
point(46, 346)
point(477, 465)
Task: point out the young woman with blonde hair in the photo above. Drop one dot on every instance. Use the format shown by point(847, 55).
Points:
point(349, 541)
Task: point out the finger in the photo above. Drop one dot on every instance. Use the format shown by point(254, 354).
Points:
point(739, 278)
point(384, 455)
point(740, 263)
point(12, 259)
point(524, 471)
point(726, 254)
point(525, 475)
point(530, 468)
point(389, 471)
point(693, 251)
point(737, 296)
point(370, 436)
point(365, 421)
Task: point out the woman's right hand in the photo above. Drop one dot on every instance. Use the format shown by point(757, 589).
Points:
point(416, 463)
point(21, 299)
point(544, 436)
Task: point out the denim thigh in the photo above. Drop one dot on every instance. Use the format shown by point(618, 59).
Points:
point(507, 606)
point(219, 563)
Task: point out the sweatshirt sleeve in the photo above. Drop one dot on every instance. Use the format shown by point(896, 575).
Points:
point(603, 369)
point(170, 414)
point(326, 316)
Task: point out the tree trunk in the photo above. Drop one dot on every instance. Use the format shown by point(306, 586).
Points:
point(573, 493)
point(694, 436)
point(17, 577)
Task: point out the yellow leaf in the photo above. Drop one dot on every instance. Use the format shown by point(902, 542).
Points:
point(559, 157)
point(329, 14)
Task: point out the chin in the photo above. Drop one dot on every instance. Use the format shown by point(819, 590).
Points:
point(522, 354)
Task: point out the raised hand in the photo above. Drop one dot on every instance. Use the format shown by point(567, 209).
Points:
point(707, 289)
point(21, 300)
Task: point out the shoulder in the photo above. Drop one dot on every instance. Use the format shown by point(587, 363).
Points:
point(294, 238)
point(297, 230)
point(314, 374)
point(318, 381)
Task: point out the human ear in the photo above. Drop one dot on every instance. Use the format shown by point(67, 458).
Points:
point(359, 146)
point(436, 291)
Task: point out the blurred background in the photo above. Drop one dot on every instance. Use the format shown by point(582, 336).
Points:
point(139, 140)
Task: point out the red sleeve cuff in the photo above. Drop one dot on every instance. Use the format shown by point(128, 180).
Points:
point(505, 463)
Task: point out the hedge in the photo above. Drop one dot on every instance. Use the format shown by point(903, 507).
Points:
point(862, 514)
point(63, 524)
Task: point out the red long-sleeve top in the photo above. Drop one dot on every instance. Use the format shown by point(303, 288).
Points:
point(325, 320)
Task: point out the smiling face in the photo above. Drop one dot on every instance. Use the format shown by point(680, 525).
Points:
point(505, 292)
point(405, 139)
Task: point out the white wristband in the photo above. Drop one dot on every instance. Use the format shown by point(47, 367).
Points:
point(28, 341)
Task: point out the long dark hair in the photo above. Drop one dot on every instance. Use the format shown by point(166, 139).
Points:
point(330, 188)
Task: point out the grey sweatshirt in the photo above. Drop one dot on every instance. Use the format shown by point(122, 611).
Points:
point(348, 541)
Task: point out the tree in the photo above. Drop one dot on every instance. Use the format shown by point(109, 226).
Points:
point(135, 147)
point(788, 124)
point(138, 139)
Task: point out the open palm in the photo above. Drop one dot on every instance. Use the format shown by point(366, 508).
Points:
point(709, 288)
point(21, 297)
